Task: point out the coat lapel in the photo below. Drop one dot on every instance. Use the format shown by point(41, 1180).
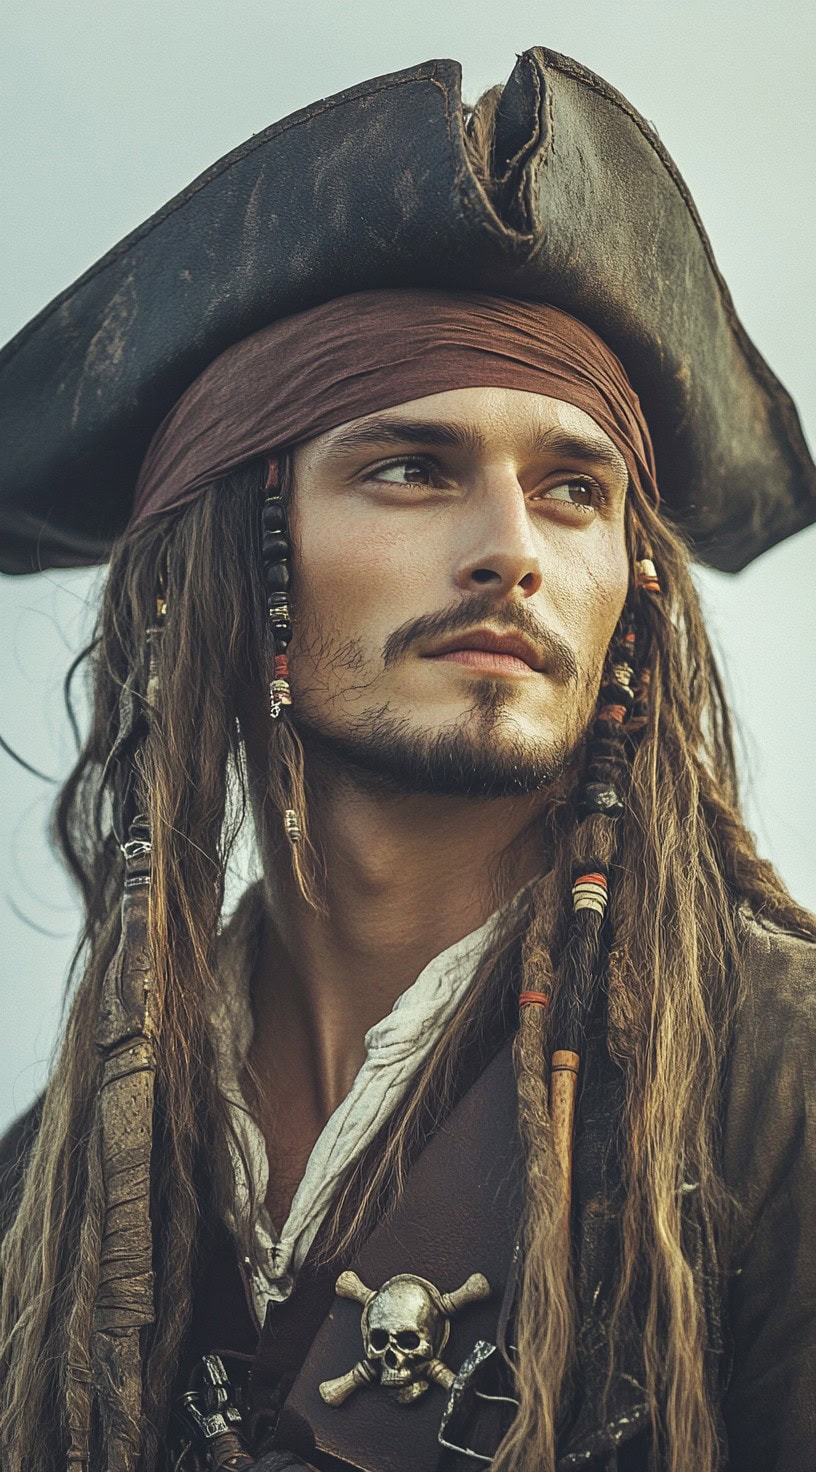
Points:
point(459, 1214)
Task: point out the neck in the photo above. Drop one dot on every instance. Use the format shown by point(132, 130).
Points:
point(406, 877)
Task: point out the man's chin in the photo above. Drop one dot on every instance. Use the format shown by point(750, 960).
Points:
point(388, 756)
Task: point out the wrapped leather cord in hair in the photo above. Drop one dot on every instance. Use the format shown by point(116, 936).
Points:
point(124, 1300)
point(124, 1303)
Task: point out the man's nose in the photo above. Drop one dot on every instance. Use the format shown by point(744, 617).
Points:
point(501, 551)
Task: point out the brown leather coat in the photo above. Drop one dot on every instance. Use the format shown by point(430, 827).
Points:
point(761, 1307)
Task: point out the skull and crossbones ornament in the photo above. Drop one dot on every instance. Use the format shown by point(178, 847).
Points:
point(405, 1326)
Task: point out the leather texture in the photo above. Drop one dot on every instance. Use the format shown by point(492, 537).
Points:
point(588, 212)
point(459, 1214)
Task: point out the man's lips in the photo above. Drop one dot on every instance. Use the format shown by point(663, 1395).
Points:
point(482, 649)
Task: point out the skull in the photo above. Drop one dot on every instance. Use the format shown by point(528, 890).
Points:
point(404, 1329)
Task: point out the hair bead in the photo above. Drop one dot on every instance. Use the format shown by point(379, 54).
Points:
point(280, 621)
point(273, 515)
point(276, 577)
point(601, 798)
point(534, 999)
point(274, 547)
point(590, 891)
point(646, 575)
point(616, 693)
point(291, 824)
point(280, 689)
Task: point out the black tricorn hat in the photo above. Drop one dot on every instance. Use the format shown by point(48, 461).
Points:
point(373, 188)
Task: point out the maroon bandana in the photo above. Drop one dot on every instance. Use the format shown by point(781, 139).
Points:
point(373, 350)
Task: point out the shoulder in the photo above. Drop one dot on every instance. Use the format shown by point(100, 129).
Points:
point(776, 1010)
point(777, 962)
point(15, 1148)
point(770, 1083)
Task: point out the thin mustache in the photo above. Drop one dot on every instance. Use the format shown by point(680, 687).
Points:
point(560, 657)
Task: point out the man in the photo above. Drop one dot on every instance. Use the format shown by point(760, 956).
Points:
point(481, 1133)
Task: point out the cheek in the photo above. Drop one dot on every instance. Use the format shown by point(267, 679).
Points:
point(356, 577)
point(593, 590)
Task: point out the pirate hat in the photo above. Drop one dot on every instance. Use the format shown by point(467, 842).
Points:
point(373, 188)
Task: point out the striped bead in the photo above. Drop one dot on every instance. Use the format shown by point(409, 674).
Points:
point(291, 824)
point(590, 892)
point(280, 691)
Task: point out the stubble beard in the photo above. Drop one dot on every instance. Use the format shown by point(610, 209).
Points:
point(482, 754)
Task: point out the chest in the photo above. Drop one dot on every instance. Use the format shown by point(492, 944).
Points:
point(459, 1213)
point(290, 1127)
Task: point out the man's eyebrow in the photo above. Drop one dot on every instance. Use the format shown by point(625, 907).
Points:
point(588, 449)
point(382, 431)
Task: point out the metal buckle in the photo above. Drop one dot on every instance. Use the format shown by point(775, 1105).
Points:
point(464, 1392)
point(209, 1412)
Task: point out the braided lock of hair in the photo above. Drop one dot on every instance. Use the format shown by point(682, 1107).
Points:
point(620, 715)
point(287, 781)
point(275, 558)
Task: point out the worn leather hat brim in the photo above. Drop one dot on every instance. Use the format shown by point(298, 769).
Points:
point(373, 188)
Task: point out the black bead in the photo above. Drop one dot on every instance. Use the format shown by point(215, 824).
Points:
point(276, 576)
point(615, 694)
point(273, 516)
point(274, 547)
point(281, 627)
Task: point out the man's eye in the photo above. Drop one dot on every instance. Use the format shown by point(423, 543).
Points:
point(392, 473)
point(583, 493)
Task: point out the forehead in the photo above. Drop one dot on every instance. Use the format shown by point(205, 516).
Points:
point(479, 421)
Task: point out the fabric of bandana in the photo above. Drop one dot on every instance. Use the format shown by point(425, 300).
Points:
point(372, 350)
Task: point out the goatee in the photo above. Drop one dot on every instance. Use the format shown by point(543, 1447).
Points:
point(480, 755)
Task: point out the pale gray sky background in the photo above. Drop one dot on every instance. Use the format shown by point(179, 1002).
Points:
point(108, 109)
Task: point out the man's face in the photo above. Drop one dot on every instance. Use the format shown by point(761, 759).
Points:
point(459, 568)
